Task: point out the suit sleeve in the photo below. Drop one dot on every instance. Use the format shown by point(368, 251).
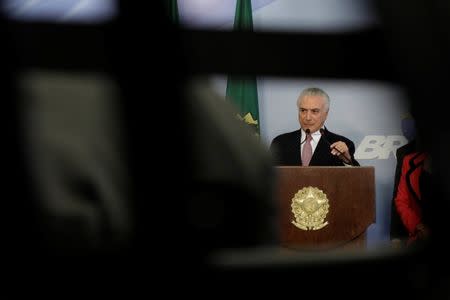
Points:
point(351, 148)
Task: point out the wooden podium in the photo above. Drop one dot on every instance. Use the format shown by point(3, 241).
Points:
point(342, 197)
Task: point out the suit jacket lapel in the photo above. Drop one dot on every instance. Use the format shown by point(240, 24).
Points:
point(322, 150)
point(296, 152)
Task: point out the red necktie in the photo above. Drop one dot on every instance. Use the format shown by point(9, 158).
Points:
point(307, 151)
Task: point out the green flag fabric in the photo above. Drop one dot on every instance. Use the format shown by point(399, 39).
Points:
point(242, 90)
point(173, 10)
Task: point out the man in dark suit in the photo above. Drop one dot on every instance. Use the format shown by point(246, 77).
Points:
point(325, 148)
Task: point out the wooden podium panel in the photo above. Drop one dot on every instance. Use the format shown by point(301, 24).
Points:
point(351, 197)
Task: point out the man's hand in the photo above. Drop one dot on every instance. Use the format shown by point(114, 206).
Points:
point(341, 150)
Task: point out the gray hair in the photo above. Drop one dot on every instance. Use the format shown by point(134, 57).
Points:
point(314, 91)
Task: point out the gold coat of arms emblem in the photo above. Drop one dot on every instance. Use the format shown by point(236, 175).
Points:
point(310, 207)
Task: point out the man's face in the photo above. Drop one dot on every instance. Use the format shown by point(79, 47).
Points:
point(312, 112)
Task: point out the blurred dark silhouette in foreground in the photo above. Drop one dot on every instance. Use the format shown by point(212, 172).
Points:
point(113, 172)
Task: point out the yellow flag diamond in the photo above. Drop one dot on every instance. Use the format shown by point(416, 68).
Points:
point(248, 118)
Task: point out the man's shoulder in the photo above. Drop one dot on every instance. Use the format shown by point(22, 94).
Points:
point(337, 137)
point(286, 136)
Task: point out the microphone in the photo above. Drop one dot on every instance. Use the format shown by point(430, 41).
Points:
point(308, 132)
point(341, 155)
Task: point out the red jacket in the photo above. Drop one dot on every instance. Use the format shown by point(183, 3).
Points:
point(408, 194)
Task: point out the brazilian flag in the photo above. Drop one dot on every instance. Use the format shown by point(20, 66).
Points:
point(241, 90)
point(173, 11)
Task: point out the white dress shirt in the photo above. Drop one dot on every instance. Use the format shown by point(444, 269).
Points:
point(314, 141)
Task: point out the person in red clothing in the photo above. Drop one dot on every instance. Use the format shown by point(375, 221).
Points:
point(414, 195)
